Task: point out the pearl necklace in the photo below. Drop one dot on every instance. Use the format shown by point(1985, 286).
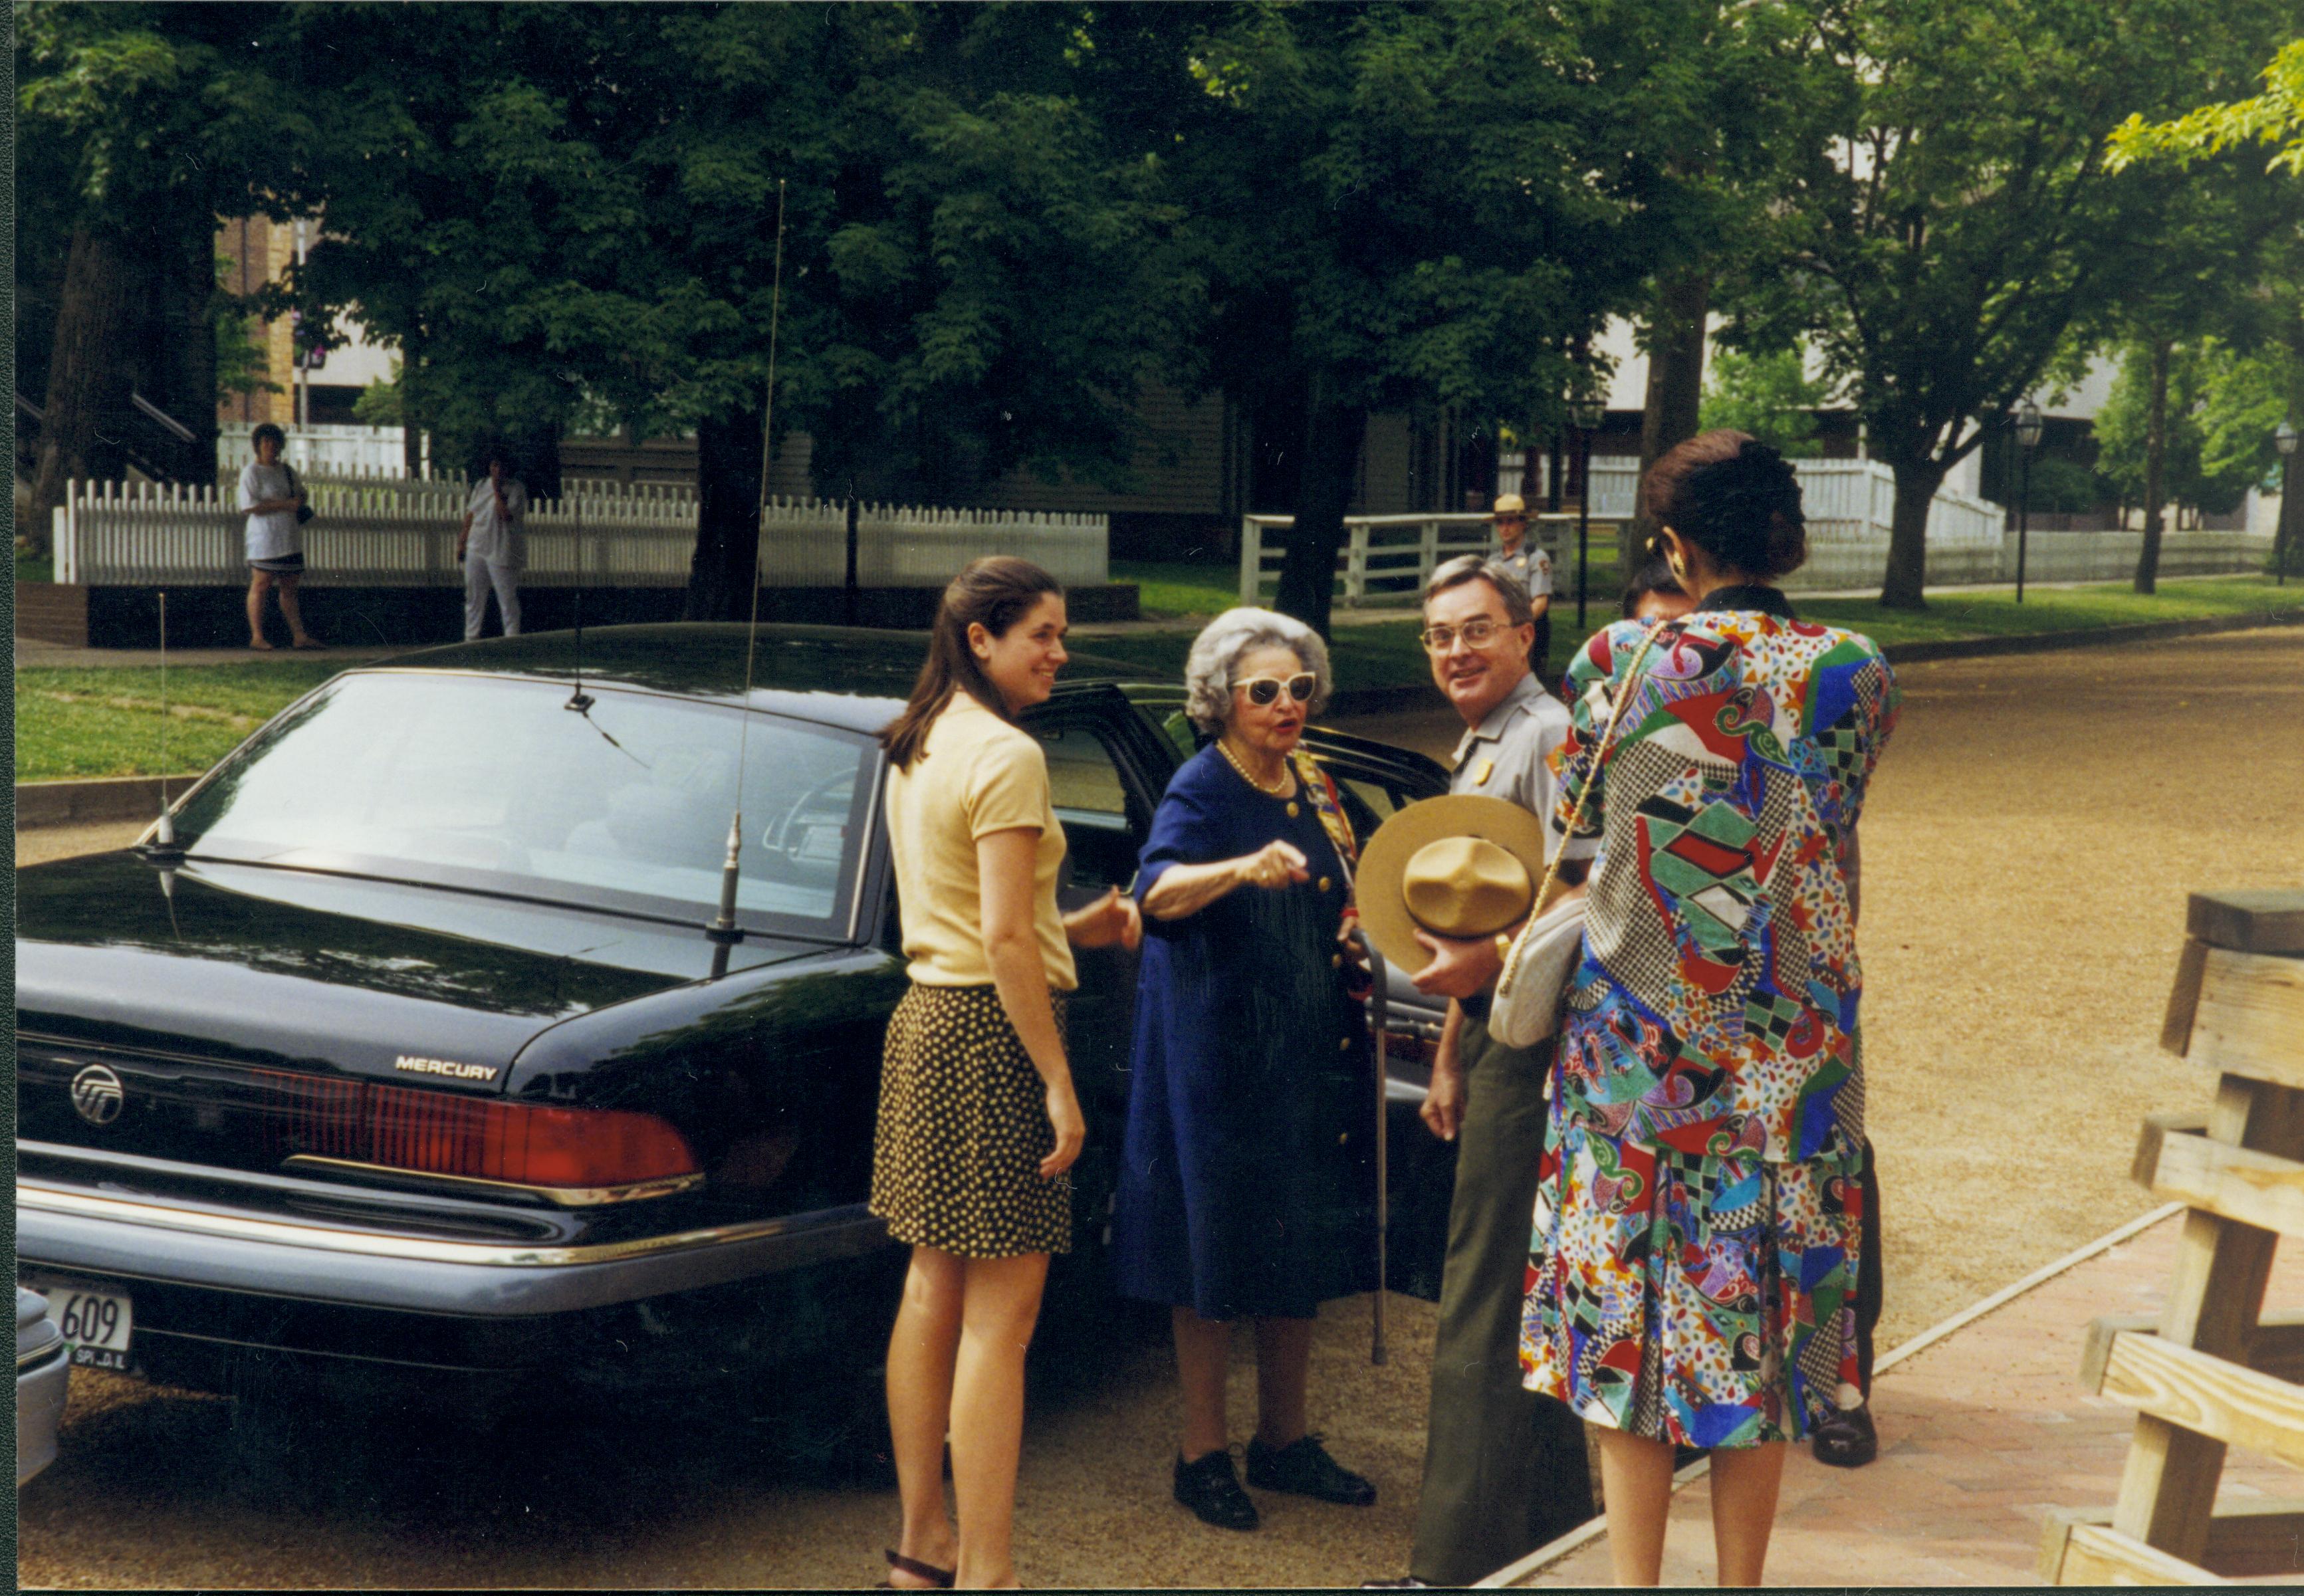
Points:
point(1287, 777)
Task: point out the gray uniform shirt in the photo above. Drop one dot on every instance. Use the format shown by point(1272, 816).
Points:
point(1506, 755)
point(1532, 565)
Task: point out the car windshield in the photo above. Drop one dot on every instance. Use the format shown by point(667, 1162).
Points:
point(496, 785)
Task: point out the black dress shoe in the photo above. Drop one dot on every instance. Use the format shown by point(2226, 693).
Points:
point(1210, 1487)
point(1304, 1468)
point(1846, 1440)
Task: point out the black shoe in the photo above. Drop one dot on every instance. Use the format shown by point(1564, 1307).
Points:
point(1846, 1440)
point(1305, 1468)
point(1210, 1487)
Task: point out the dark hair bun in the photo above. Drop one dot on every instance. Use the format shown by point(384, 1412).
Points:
point(1734, 498)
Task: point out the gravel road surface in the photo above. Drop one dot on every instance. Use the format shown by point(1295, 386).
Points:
point(2027, 848)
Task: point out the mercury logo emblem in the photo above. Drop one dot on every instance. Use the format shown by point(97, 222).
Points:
point(95, 1095)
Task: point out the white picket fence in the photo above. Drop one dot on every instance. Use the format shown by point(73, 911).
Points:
point(377, 531)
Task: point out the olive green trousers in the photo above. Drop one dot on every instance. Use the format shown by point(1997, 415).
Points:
point(1504, 1469)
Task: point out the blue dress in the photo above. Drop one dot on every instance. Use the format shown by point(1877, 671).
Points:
point(1248, 1172)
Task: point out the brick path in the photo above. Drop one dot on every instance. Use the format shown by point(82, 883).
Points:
point(1980, 1434)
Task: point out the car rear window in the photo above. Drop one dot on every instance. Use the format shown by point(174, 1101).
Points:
point(498, 785)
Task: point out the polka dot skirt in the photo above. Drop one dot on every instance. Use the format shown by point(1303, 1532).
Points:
point(963, 1127)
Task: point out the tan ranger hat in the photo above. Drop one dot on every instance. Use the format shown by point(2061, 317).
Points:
point(1508, 504)
point(1461, 866)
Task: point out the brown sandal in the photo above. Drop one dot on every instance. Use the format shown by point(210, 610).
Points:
point(939, 1578)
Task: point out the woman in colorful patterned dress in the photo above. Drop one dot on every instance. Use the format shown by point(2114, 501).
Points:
point(1698, 1223)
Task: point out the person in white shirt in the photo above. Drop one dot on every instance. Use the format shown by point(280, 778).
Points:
point(271, 496)
point(493, 548)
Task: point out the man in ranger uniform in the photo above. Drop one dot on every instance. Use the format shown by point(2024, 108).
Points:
point(1504, 1469)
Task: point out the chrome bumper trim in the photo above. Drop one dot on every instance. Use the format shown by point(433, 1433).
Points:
point(25, 1361)
point(477, 1186)
point(35, 1198)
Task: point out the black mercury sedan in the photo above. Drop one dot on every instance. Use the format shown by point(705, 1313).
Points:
point(413, 1059)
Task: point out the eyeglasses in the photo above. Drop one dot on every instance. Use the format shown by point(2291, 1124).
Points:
point(1476, 634)
point(1263, 692)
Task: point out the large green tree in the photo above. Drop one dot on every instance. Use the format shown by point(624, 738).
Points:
point(1952, 224)
point(2208, 440)
point(136, 125)
point(553, 208)
point(1391, 207)
point(1713, 97)
point(2268, 315)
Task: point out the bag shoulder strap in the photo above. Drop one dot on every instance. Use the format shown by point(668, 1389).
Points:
point(1551, 888)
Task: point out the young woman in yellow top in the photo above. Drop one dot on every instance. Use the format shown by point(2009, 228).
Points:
point(978, 1119)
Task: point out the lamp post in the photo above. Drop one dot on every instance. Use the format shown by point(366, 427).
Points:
point(2285, 439)
point(1587, 413)
point(2028, 438)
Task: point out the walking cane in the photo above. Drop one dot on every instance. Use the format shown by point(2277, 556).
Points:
point(1379, 1012)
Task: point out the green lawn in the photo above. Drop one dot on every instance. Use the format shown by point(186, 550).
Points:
point(1167, 588)
point(1386, 653)
point(105, 721)
point(1175, 587)
point(1997, 614)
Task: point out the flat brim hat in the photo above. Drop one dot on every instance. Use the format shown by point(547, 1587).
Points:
point(1463, 866)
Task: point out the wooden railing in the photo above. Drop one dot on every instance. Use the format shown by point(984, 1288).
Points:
point(1850, 506)
point(2214, 1369)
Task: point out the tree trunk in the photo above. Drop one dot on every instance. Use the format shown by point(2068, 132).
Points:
point(1675, 391)
point(727, 518)
point(1908, 534)
point(189, 301)
point(412, 413)
point(539, 462)
point(1332, 455)
point(2288, 531)
point(82, 432)
point(2156, 460)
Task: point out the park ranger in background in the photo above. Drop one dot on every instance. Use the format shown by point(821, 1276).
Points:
point(1532, 565)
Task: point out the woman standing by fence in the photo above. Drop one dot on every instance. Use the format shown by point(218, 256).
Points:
point(275, 502)
point(979, 1119)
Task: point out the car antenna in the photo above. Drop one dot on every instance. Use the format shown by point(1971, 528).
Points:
point(162, 845)
point(723, 928)
point(579, 700)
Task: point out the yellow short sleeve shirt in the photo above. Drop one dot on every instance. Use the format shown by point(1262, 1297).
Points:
point(975, 775)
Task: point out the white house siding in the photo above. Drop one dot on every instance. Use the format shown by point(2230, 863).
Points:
point(1177, 463)
point(1387, 459)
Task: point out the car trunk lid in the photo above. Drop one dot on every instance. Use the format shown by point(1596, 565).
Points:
point(235, 1014)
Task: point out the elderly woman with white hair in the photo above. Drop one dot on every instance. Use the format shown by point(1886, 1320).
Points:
point(1248, 1180)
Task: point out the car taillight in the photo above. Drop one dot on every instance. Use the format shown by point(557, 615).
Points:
point(435, 1132)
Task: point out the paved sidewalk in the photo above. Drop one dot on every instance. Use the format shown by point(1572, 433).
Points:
point(1980, 1434)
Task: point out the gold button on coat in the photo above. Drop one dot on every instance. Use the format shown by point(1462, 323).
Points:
point(1343, 1044)
point(1324, 884)
point(1291, 809)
